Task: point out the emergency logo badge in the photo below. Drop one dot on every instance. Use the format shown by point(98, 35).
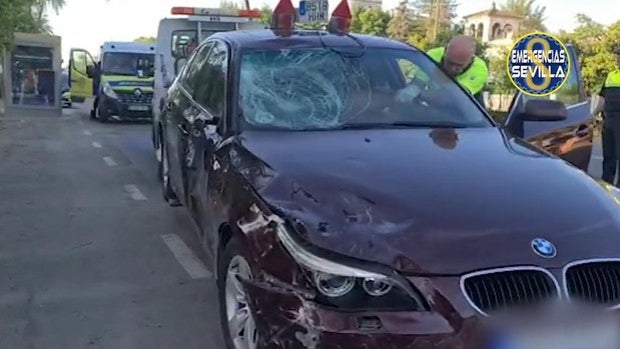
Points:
point(538, 64)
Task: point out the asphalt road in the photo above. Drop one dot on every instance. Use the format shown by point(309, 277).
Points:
point(90, 255)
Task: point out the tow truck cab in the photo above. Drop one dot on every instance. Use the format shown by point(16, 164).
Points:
point(122, 82)
point(178, 35)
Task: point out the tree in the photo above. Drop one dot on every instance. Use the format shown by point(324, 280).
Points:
point(594, 44)
point(370, 21)
point(435, 16)
point(533, 16)
point(265, 14)
point(229, 5)
point(401, 25)
point(25, 16)
point(499, 81)
point(146, 40)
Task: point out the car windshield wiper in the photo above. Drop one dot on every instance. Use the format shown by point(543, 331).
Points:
point(404, 124)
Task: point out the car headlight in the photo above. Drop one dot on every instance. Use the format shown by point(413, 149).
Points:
point(107, 89)
point(352, 288)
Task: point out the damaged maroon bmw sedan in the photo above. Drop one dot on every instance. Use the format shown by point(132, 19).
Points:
point(345, 205)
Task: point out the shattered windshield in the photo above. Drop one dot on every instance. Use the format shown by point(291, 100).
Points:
point(128, 63)
point(307, 89)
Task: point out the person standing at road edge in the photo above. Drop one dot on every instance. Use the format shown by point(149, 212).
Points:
point(458, 60)
point(609, 104)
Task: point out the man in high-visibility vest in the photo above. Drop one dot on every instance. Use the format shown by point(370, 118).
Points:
point(609, 104)
point(458, 60)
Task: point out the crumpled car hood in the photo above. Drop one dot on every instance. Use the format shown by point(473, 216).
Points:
point(413, 200)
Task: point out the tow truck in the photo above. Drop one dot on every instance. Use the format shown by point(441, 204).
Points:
point(122, 82)
point(177, 36)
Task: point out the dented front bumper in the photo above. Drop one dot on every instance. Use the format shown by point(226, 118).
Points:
point(288, 320)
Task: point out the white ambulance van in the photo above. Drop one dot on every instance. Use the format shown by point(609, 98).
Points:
point(178, 35)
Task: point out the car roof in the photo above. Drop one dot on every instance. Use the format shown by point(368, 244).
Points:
point(267, 39)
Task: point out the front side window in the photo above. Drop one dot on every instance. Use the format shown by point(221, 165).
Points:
point(189, 79)
point(211, 92)
point(133, 64)
point(319, 88)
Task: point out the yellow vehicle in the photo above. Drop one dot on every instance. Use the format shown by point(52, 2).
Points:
point(122, 83)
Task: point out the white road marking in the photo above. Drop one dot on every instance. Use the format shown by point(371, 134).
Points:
point(96, 144)
point(135, 193)
point(88, 133)
point(184, 255)
point(109, 161)
point(597, 157)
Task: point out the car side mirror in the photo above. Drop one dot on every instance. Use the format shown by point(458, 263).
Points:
point(167, 82)
point(544, 110)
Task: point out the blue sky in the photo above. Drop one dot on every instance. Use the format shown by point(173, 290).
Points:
point(88, 23)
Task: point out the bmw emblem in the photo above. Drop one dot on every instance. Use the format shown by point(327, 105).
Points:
point(544, 248)
point(137, 92)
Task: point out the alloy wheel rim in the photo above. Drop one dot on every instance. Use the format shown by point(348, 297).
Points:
point(241, 324)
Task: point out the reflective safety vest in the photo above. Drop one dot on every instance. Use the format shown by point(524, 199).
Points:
point(611, 93)
point(473, 78)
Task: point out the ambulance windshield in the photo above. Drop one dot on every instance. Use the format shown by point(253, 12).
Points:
point(123, 63)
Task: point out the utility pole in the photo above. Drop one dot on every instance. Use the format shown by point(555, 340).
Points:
point(436, 24)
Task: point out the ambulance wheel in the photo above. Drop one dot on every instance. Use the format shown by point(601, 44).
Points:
point(102, 116)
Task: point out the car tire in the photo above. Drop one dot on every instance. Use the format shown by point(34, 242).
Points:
point(164, 178)
point(103, 117)
point(233, 298)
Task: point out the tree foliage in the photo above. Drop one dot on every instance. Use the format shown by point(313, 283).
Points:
point(594, 44)
point(533, 15)
point(370, 21)
point(435, 16)
point(29, 16)
point(146, 40)
point(401, 24)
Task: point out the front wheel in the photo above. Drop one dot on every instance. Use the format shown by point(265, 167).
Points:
point(238, 324)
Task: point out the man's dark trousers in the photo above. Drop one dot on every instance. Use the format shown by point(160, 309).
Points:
point(611, 148)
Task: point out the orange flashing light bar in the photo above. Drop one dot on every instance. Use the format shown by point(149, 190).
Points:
point(340, 21)
point(198, 11)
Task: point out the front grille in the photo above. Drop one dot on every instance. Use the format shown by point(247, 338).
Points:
point(511, 288)
point(595, 283)
point(131, 98)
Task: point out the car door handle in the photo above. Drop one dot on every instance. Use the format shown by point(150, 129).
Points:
point(183, 129)
point(582, 131)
